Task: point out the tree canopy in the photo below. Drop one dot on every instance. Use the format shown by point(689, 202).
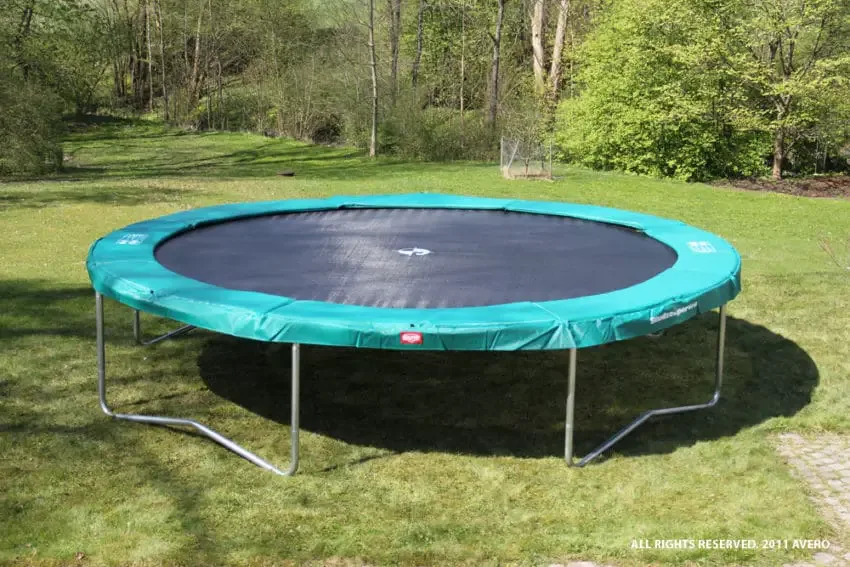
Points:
point(685, 88)
point(704, 88)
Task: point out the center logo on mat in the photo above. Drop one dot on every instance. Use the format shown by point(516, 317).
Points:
point(414, 251)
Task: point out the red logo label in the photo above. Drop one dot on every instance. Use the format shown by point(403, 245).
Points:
point(411, 338)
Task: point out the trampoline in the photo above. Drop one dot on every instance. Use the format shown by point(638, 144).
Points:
point(415, 272)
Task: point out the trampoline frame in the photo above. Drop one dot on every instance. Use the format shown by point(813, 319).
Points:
point(569, 426)
point(123, 265)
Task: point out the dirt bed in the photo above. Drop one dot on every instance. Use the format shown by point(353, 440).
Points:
point(834, 186)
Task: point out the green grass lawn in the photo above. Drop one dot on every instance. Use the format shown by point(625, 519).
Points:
point(407, 458)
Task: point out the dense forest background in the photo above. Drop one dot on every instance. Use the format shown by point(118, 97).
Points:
point(693, 89)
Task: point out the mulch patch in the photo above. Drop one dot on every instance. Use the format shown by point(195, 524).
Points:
point(830, 186)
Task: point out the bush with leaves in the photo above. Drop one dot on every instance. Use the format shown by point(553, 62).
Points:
point(30, 127)
point(412, 129)
point(712, 88)
point(657, 97)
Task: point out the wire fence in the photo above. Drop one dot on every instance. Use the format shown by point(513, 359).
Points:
point(523, 160)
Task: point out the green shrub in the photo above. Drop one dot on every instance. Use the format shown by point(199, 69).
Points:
point(436, 134)
point(656, 98)
point(30, 127)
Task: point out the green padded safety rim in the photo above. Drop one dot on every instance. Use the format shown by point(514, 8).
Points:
point(706, 275)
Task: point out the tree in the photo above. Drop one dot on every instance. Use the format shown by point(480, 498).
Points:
point(496, 38)
point(146, 6)
point(657, 96)
point(558, 49)
point(158, 11)
point(373, 68)
point(21, 36)
point(703, 88)
point(795, 56)
point(538, 48)
point(395, 33)
point(197, 71)
point(30, 107)
point(73, 53)
point(417, 59)
point(30, 127)
point(540, 11)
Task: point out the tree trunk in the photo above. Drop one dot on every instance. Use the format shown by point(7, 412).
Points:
point(373, 64)
point(137, 58)
point(158, 11)
point(414, 72)
point(494, 66)
point(150, 53)
point(538, 26)
point(778, 153)
point(117, 79)
point(185, 41)
point(119, 57)
point(462, 68)
point(21, 36)
point(395, 32)
point(118, 71)
point(219, 81)
point(213, 50)
point(132, 50)
point(194, 80)
point(558, 50)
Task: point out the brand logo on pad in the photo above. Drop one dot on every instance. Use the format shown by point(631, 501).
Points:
point(414, 251)
point(132, 239)
point(702, 247)
point(411, 338)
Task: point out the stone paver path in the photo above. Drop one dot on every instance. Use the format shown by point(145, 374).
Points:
point(823, 462)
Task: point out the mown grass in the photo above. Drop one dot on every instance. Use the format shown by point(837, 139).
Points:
point(407, 458)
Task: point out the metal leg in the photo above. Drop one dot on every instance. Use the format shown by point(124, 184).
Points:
point(571, 395)
point(137, 331)
point(718, 383)
point(218, 438)
point(137, 326)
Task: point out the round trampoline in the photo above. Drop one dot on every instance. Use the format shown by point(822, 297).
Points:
point(425, 271)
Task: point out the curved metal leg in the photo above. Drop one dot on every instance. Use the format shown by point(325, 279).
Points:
point(137, 331)
point(215, 436)
point(718, 383)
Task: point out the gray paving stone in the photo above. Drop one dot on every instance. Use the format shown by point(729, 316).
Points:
point(822, 558)
point(822, 463)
